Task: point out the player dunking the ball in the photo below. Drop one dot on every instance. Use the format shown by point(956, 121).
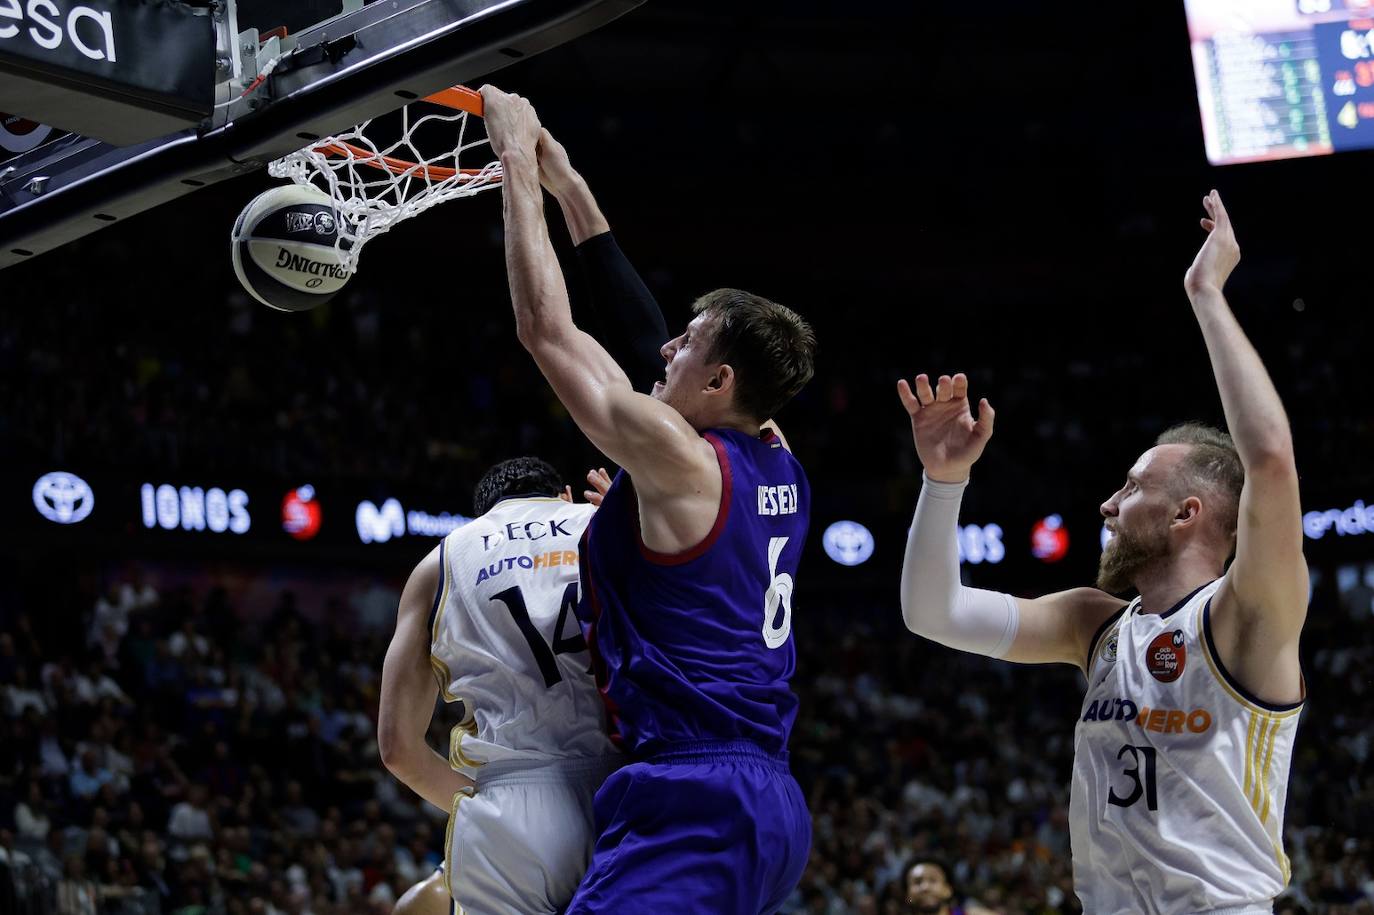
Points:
point(687, 576)
point(487, 618)
point(1183, 741)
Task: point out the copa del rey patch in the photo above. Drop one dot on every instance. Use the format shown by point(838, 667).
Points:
point(1166, 656)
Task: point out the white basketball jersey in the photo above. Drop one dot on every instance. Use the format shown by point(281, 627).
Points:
point(505, 639)
point(1179, 775)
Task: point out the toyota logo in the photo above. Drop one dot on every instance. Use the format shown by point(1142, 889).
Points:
point(63, 498)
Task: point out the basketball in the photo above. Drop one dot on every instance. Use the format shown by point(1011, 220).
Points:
point(283, 249)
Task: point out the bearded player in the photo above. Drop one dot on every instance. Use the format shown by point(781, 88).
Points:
point(1183, 743)
point(687, 575)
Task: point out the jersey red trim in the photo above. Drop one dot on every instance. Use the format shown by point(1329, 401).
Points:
point(599, 669)
point(722, 513)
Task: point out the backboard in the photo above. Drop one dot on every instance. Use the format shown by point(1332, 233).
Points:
point(279, 80)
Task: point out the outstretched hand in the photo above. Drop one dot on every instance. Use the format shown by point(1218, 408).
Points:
point(512, 123)
point(1219, 253)
point(600, 481)
point(948, 439)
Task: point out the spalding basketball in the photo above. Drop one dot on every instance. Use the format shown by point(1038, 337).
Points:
point(283, 248)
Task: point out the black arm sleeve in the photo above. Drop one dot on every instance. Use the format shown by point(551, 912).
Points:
point(630, 318)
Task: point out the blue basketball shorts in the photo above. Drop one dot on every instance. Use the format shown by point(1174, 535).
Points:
point(716, 827)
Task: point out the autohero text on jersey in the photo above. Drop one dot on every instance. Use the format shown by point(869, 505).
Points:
point(1160, 720)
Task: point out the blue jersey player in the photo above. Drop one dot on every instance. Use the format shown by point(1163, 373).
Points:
point(688, 572)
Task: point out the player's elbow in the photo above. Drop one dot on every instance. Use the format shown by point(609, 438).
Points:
point(397, 753)
point(917, 621)
point(537, 331)
point(1272, 456)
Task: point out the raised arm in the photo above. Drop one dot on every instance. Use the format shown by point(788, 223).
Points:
point(408, 693)
point(1259, 610)
point(633, 328)
point(650, 439)
point(935, 604)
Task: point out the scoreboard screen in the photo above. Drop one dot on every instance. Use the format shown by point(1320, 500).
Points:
point(1283, 78)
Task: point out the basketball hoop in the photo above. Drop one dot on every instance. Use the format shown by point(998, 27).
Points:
point(375, 187)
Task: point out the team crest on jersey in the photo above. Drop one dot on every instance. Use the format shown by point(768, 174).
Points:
point(1108, 650)
point(1166, 656)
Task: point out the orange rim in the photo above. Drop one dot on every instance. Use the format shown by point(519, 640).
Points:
point(459, 98)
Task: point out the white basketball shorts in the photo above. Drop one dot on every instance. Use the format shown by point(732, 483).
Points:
point(521, 841)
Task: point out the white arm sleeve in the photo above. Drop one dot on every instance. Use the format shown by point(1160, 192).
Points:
point(934, 602)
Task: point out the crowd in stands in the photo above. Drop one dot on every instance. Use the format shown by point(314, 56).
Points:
point(170, 756)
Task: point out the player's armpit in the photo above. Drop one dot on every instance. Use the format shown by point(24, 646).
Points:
point(409, 691)
point(648, 438)
point(1057, 628)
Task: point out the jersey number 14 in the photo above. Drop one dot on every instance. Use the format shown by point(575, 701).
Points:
point(544, 656)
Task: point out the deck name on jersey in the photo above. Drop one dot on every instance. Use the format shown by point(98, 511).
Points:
point(1159, 720)
point(778, 500)
point(530, 530)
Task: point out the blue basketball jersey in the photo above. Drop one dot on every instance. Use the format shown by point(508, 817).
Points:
point(696, 646)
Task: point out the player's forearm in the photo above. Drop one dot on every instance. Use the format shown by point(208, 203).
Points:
point(935, 604)
point(1254, 412)
point(429, 775)
point(581, 212)
point(538, 293)
point(632, 325)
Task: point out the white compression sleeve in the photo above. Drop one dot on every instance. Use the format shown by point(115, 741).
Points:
point(934, 602)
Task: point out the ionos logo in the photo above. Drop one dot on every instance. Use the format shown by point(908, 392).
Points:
point(63, 498)
point(90, 31)
point(981, 543)
point(192, 508)
point(379, 524)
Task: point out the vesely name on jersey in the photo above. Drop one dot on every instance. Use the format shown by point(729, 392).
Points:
point(1160, 720)
point(530, 530)
point(554, 559)
point(778, 500)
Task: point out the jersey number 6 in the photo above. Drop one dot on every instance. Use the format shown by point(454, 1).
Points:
point(779, 592)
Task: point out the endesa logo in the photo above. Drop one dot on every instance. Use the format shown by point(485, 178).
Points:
point(193, 508)
point(380, 523)
point(90, 31)
point(300, 513)
point(1350, 522)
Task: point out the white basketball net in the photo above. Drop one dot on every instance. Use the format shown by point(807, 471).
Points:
point(374, 188)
